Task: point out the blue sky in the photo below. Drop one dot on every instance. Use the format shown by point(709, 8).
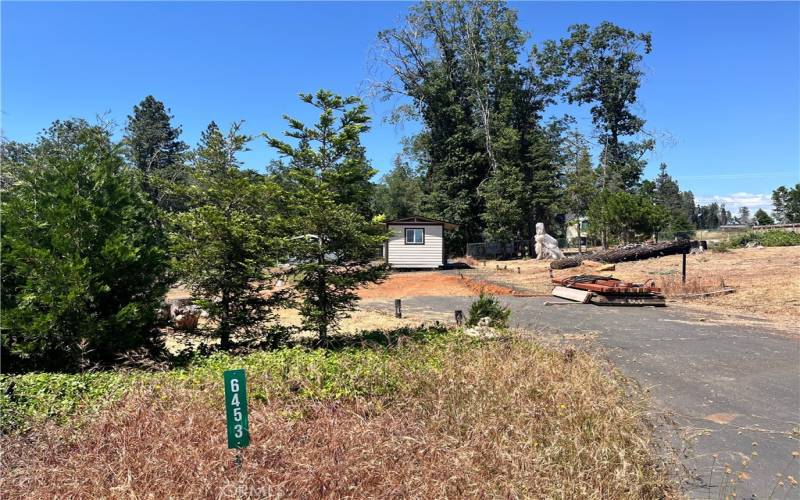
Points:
point(722, 89)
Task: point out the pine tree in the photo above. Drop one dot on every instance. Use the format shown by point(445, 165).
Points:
point(744, 215)
point(668, 194)
point(504, 194)
point(399, 194)
point(787, 204)
point(227, 241)
point(155, 148)
point(581, 184)
point(762, 218)
point(333, 243)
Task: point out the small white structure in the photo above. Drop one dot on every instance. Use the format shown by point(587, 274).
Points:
point(416, 243)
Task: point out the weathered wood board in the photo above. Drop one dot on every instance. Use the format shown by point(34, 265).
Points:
point(581, 296)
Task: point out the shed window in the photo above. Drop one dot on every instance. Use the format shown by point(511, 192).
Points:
point(415, 236)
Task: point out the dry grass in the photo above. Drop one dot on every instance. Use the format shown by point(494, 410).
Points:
point(500, 419)
point(767, 280)
point(359, 320)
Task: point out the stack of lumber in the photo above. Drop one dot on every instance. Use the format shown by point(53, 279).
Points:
point(602, 290)
point(626, 253)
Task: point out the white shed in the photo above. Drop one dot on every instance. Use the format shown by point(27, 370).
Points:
point(417, 243)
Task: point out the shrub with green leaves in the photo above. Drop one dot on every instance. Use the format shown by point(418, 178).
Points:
point(84, 266)
point(771, 238)
point(487, 306)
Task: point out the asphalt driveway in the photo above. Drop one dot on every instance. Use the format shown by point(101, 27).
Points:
point(726, 384)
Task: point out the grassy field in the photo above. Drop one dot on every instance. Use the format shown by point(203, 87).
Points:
point(411, 413)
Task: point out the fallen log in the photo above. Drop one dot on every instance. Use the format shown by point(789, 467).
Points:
point(626, 253)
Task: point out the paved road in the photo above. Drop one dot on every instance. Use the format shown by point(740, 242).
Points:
point(731, 385)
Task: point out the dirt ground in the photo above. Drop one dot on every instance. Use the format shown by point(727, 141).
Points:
point(767, 283)
point(767, 280)
point(417, 284)
point(400, 285)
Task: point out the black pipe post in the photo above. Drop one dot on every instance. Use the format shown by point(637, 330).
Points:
point(683, 270)
point(398, 312)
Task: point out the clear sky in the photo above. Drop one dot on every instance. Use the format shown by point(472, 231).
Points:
point(722, 87)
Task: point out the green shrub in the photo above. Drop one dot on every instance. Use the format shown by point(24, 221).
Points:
point(487, 305)
point(721, 247)
point(375, 367)
point(83, 268)
point(30, 398)
point(771, 238)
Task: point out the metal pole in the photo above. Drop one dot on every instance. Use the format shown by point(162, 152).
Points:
point(683, 270)
point(398, 312)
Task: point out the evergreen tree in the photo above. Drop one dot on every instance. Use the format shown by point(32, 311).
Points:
point(333, 244)
point(787, 204)
point(229, 238)
point(399, 194)
point(744, 215)
point(83, 270)
point(504, 195)
point(581, 183)
point(155, 148)
point(724, 215)
point(668, 194)
point(618, 215)
point(709, 216)
point(762, 218)
point(688, 207)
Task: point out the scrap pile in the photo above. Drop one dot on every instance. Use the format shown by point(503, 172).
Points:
point(606, 291)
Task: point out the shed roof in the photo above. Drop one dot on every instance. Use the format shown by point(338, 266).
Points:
point(425, 221)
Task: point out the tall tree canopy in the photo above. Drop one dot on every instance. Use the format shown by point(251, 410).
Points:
point(486, 153)
point(155, 148)
point(399, 194)
point(787, 204)
point(602, 67)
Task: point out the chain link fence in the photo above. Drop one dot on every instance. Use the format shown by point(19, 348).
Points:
point(499, 251)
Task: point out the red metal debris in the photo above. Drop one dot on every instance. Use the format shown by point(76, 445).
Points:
point(611, 291)
point(604, 284)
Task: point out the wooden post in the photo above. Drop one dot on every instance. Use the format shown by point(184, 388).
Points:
point(398, 311)
point(683, 270)
point(459, 317)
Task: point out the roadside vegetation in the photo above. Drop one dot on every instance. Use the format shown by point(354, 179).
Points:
point(412, 412)
point(769, 238)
